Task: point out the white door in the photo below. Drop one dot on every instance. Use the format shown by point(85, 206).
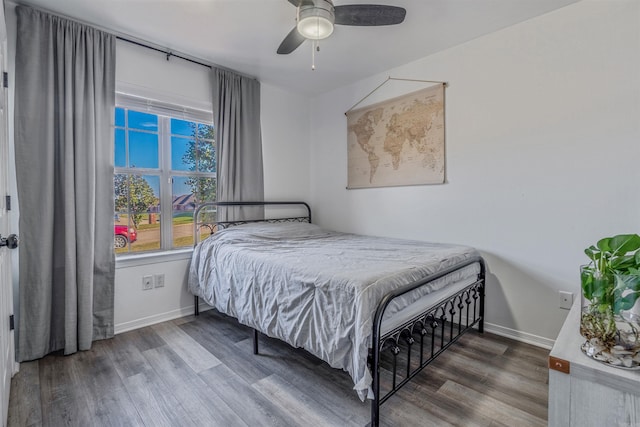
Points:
point(6, 299)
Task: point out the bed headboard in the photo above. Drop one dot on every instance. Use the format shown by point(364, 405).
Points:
point(205, 217)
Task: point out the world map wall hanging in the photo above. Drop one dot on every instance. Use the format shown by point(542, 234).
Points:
point(397, 142)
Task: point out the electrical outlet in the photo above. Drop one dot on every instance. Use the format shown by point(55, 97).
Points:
point(147, 283)
point(566, 300)
point(159, 280)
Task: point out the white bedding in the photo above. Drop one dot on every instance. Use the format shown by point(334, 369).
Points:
point(314, 288)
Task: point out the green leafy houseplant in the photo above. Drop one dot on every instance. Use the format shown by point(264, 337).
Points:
point(610, 290)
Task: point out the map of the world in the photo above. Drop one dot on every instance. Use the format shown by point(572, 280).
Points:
point(398, 142)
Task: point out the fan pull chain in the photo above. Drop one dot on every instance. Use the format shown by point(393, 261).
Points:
point(315, 47)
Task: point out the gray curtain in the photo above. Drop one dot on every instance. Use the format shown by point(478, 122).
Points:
point(64, 104)
point(236, 120)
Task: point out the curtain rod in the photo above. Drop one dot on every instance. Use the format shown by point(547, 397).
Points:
point(179, 55)
point(167, 52)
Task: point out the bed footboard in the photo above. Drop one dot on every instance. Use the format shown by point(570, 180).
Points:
point(419, 340)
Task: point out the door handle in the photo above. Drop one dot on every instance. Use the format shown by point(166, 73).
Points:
point(10, 242)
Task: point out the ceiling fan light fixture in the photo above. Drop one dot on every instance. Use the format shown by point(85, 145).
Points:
point(315, 27)
point(314, 22)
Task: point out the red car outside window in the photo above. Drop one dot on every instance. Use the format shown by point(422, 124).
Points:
point(123, 235)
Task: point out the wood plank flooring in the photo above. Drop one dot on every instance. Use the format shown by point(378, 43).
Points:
point(201, 371)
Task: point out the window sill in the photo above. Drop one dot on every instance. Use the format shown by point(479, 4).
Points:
point(136, 260)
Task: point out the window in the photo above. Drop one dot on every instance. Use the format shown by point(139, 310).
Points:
point(165, 165)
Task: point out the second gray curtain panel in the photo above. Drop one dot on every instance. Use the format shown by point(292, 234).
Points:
point(236, 120)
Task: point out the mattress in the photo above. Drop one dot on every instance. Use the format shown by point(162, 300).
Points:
point(318, 289)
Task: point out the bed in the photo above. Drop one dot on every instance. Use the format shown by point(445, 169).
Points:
point(379, 308)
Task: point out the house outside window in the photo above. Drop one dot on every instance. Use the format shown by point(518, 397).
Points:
point(165, 165)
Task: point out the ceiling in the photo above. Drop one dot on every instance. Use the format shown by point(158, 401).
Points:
point(244, 34)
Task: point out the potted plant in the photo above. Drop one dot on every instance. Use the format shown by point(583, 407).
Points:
point(610, 318)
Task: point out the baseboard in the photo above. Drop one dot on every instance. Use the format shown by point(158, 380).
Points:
point(157, 318)
point(525, 337)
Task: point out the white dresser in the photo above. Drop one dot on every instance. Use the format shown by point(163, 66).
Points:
point(586, 393)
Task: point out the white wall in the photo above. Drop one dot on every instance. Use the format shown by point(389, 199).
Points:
point(146, 72)
point(285, 144)
point(135, 308)
point(542, 149)
point(285, 135)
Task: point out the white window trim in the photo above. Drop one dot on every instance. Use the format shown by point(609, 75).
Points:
point(144, 103)
point(137, 259)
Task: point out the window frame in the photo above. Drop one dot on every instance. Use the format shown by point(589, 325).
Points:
point(165, 111)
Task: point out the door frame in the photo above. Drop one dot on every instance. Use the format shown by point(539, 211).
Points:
point(8, 365)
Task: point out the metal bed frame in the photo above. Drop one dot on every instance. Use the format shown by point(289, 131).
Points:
point(432, 331)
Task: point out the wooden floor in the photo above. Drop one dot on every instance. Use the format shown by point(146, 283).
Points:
point(202, 372)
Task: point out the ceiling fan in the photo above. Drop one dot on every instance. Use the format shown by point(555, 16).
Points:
point(316, 19)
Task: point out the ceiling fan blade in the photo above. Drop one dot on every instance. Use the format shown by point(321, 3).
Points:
point(291, 42)
point(369, 14)
point(297, 3)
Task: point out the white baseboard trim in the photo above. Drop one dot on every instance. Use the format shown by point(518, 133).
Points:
point(519, 335)
point(156, 318)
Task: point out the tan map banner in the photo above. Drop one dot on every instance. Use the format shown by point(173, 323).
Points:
point(398, 142)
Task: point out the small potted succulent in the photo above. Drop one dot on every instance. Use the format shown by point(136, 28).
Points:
point(610, 317)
